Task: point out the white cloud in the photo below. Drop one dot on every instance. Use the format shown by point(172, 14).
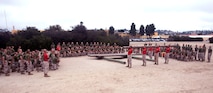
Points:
point(165, 14)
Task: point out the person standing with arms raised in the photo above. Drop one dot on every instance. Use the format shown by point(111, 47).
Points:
point(129, 60)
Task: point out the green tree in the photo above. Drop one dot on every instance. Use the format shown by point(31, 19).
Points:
point(142, 31)
point(80, 29)
point(17, 41)
point(40, 42)
point(133, 30)
point(28, 33)
point(150, 29)
point(54, 28)
point(111, 30)
point(4, 38)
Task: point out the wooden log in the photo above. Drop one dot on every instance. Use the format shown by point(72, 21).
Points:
point(105, 55)
point(146, 46)
point(112, 60)
point(139, 58)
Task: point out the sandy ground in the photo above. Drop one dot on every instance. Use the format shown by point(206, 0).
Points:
point(88, 75)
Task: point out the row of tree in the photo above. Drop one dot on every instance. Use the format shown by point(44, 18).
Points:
point(32, 38)
point(148, 30)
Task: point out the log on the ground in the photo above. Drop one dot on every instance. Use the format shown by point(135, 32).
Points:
point(141, 59)
point(113, 60)
point(101, 56)
point(146, 46)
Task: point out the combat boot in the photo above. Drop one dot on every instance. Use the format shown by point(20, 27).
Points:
point(29, 73)
point(45, 75)
point(7, 74)
point(22, 73)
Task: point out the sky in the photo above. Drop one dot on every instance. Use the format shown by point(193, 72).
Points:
point(175, 15)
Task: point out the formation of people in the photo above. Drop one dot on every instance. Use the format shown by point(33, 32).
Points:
point(188, 53)
point(184, 53)
point(28, 61)
point(72, 49)
point(25, 62)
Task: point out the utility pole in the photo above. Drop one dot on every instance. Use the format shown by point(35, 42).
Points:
point(5, 19)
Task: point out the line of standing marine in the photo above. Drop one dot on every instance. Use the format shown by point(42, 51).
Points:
point(185, 53)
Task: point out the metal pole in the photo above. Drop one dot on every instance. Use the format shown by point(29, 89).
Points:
point(5, 19)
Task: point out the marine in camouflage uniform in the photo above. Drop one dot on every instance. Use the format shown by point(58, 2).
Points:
point(1, 64)
point(57, 59)
point(38, 61)
point(15, 64)
point(22, 63)
point(178, 52)
point(209, 53)
point(9, 56)
point(189, 53)
point(52, 46)
point(196, 52)
point(199, 53)
point(53, 60)
point(63, 49)
point(6, 68)
point(204, 52)
point(28, 62)
point(21, 60)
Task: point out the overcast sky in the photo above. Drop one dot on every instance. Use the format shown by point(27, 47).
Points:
point(175, 15)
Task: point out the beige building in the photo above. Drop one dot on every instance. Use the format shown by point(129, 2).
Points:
point(14, 31)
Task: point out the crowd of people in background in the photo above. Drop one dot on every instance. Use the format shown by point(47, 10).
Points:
point(188, 53)
point(28, 61)
point(72, 50)
point(183, 53)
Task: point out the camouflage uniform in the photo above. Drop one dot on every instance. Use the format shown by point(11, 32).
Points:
point(28, 62)
point(53, 60)
point(204, 52)
point(6, 68)
point(209, 53)
point(196, 52)
point(21, 62)
point(15, 65)
point(199, 53)
point(52, 46)
point(1, 64)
